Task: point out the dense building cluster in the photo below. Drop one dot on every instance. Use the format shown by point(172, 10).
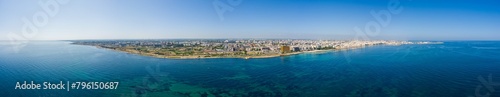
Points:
point(228, 48)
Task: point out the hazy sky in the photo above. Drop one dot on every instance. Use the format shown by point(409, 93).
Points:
point(297, 19)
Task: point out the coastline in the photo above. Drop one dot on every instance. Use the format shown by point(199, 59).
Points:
point(155, 50)
point(199, 57)
point(242, 57)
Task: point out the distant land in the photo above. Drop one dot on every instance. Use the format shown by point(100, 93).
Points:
point(226, 48)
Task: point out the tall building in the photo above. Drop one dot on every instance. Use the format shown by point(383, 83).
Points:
point(285, 49)
point(295, 49)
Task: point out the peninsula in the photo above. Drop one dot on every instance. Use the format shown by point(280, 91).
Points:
point(226, 48)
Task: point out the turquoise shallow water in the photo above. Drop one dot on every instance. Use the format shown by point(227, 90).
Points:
point(452, 69)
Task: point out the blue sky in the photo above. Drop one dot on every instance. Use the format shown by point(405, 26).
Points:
point(294, 19)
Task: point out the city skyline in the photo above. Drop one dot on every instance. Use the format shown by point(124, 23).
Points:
point(294, 19)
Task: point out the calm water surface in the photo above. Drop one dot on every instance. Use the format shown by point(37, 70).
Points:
point(452, 69)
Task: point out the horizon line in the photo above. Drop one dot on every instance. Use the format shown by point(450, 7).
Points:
point(262, 39)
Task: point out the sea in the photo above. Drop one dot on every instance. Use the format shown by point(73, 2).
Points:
point(451, 69)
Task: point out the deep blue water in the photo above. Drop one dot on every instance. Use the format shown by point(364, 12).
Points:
point(452, 69)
